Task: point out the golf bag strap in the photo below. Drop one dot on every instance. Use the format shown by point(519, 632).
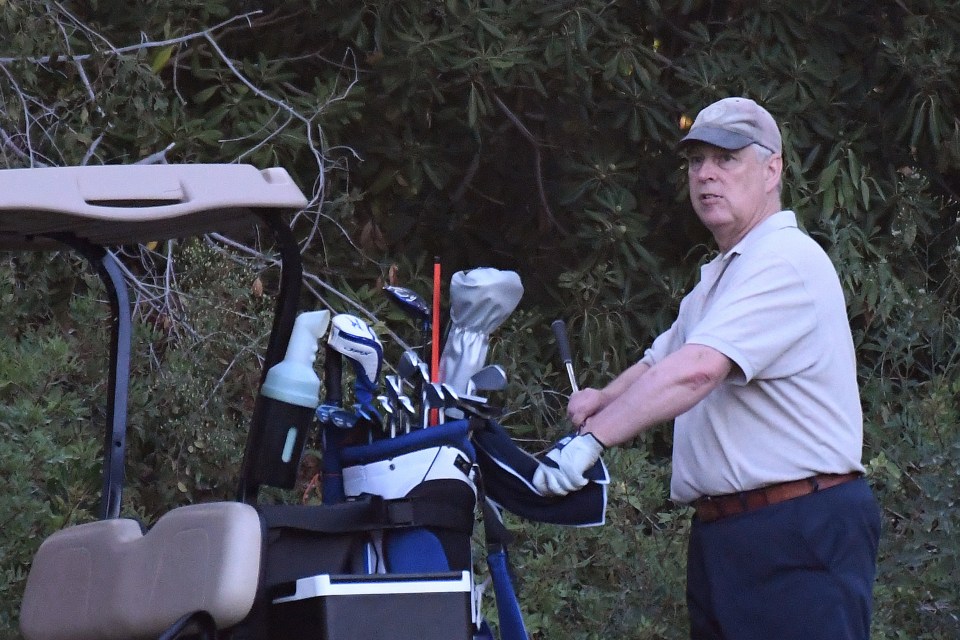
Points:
point(494, 531)
point(371, 513)
point(498, 538)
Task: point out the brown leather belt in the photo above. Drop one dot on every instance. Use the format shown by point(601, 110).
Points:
point(710, 508)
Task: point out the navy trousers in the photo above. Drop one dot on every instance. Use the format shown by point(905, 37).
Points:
point(798, 570)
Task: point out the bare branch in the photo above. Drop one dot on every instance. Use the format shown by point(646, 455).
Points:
point(147, 44)
point(537, 162)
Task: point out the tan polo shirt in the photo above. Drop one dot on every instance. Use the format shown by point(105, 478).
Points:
point(773, 305)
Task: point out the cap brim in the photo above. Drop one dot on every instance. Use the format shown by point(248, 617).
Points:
point(717, 137)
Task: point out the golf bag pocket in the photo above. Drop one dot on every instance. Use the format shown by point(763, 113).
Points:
point(433, 469)
point(319, 581)
point(308, 540)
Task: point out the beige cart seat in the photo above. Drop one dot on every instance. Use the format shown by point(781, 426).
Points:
point(106, 580)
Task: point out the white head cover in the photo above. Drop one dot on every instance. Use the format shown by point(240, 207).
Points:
point(480, 301)
point(354, 338)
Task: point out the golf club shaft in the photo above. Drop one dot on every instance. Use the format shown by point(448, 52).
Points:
point(563, 344)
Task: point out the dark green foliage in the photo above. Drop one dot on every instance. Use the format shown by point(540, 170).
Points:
point(535, 136)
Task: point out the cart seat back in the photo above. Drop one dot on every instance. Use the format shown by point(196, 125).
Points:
point(108, 580)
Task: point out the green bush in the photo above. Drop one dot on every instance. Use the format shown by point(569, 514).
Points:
point(523, 135)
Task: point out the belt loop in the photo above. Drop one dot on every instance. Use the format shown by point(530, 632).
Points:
point(814, 483)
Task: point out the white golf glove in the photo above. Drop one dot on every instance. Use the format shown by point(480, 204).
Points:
point(573, 460)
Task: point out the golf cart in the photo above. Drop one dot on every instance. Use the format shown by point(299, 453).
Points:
point(393, 538)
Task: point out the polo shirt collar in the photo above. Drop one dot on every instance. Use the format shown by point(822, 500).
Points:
point(779, 220)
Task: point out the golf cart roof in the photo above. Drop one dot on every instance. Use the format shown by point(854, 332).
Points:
point(129, 204)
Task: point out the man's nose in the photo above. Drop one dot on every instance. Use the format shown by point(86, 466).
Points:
point(705, 170)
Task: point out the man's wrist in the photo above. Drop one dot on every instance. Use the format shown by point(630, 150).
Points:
point(585, 431)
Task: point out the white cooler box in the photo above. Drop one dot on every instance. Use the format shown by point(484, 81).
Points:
point(431, 606)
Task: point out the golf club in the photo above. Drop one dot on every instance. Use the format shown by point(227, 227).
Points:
point(563, 344)
point(436, 400)
point(387, 409)
point(414, 370)
point(490, 378)
point(356, 341)
point(414, 306)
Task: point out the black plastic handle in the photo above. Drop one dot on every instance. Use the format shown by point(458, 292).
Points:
point(563, 342)
point(333, 376)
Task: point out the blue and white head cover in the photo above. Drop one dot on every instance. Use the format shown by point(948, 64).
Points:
point(352, 337)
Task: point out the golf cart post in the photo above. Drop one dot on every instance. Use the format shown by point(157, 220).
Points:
point(225, 569)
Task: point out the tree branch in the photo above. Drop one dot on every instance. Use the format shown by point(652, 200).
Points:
point(547, 212)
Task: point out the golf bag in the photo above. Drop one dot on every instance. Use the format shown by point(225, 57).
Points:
point(400, 542)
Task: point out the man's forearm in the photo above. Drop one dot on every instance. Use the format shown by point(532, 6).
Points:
point(653, 395)
point(619, 385)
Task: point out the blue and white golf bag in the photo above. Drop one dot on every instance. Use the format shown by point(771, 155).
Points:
point(435, 470)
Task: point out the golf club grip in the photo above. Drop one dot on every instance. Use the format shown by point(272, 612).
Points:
point(333, 376)
point(563, 342)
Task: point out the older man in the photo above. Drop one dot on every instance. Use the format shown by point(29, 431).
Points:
point(759, 373)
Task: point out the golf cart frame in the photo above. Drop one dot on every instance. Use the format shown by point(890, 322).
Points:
point(199, 568)
point(398, 542)
point(89, 209)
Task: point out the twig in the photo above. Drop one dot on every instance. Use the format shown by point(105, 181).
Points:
point(160, 157)
point(149, 44)
point(537, 163)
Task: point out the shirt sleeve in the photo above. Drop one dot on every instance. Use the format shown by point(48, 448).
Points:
point(666, 343)
point(761, 311)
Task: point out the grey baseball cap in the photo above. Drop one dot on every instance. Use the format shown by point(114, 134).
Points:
point(734, 123)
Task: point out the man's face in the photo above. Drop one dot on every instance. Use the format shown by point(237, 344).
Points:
point(732, 190)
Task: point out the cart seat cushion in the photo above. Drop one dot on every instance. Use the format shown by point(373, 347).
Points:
point(104, 580)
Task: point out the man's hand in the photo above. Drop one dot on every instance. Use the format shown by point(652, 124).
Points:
point(573, 461)
point(583, 404)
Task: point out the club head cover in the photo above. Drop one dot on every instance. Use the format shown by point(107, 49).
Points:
point(356, 341)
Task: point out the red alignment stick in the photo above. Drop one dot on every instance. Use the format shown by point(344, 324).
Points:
point(435, 338)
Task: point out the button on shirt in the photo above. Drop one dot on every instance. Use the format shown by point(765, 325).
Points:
point(790, 407)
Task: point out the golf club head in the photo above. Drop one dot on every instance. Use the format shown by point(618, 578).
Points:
point(410, 365)
point(407, 406)
point(449, 393)
point(414, 370)
point(490, 378)
point(410, 302)
point(386, 405)
point(388, 411)
point(477, 406)
point(408, 413)
point(434, 394)
point(394, 387)
point(440, 397)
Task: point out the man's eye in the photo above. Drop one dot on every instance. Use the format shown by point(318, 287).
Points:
point(726, 160)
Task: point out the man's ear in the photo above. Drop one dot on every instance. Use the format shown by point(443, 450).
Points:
point(774, 171)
